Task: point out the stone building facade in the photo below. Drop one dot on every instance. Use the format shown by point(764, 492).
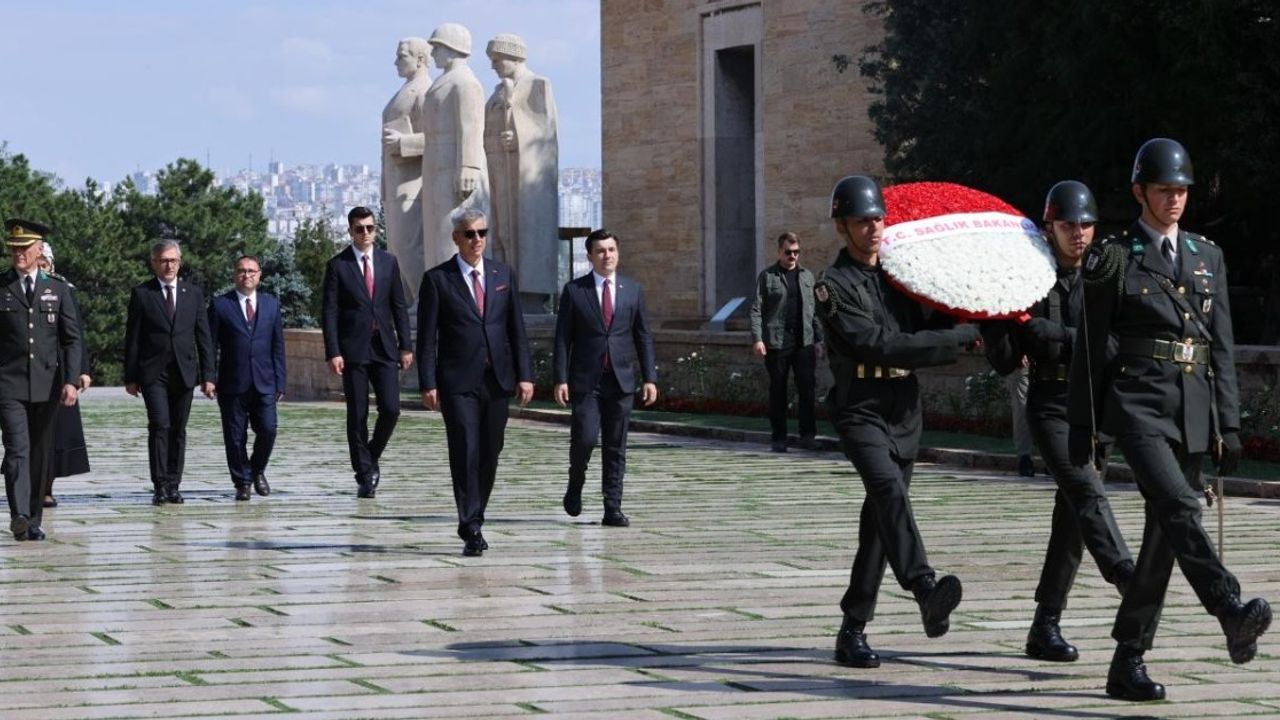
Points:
point(725, 123)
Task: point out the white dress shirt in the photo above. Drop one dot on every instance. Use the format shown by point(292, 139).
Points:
point(244, 311)
point(1158, 237)
point(466, 269)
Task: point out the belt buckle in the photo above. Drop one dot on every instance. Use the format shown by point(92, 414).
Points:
point(1184, 352)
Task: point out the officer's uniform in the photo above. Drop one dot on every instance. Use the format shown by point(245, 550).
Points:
point(40, 350)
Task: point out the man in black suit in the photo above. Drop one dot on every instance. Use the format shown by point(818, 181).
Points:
point(473, 356)
point(248, 341)
point(603, 345)
point(366, 341)
point(167, 352)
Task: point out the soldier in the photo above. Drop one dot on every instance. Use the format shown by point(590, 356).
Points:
point(1081, 513)
point(39, 367)
point(1167, 396)
point(875, 337)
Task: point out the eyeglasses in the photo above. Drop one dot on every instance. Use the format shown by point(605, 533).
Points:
point(246, 271)
point(167, 261)
point(792, 253)
point(473, 234)
point(364, 229)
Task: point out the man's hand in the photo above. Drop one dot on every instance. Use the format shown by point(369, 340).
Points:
point(85, 382)
point(759, 350)
point(561, 394)
point(336, 365)
point(208, 389)
point(967, 334)
point(131, 388)
point(649, 394)
point(406, 359)
point(69, 395)
point(1227, 454)
point(279, 396)
point(524, 392)
point(431, 399)
point(1046, 330)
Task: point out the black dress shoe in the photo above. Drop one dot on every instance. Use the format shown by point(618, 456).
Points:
point(852, 648)
point(573, 499)
point(474, 546)
point(778, 446)
point(35, 533)
point(260, 484)
point(50, 501)
point(364, 488)
point(484, 544)
point(615, 519)
point(1242, 624)
point(808, 442)
point(242, 493)
point(1026, 466)
point(937, 600)
point(172, 494)
point(18, 525)
point(1044, 640)
point(1127, 678)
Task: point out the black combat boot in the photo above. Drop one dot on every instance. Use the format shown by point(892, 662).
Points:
point(937, 600)
point(172, 494)
point(1127, 679)
point(1045, 642)
point(1242, 624)
point(851, 645)
point(1122, 575)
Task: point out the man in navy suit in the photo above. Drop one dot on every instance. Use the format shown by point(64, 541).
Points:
point(248, 342)
point(603, 346)
point(167, 352)
point(366, 323)
point(473, 355)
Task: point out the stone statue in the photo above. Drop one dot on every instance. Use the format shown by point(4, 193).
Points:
point(402, 145)
point(522, 148)
point(453, 164)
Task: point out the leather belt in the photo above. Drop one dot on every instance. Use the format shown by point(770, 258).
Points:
point(1049, 372)
point(865, 372)
point(1187, 352)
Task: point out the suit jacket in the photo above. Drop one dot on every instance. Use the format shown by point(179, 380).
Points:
point(455, 343)
point(40, 344)
point(582, 340)
point(250, 357)
point(152, 340)
point(349, 314)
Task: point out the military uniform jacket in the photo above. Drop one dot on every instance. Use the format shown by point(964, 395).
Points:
point(1124, 299)
point(869, 322)
point(40, 344)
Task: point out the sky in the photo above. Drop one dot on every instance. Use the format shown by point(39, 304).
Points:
point(91, 88)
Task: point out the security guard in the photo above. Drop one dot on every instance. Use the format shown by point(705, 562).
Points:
point(876, 336)
point(39, 367)
point(1168, 396)
point(1081, 513)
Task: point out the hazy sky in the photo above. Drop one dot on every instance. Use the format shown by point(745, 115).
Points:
point(97, 88)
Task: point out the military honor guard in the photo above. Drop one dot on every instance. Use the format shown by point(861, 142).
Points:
point(1168, 395)
point(40, 350)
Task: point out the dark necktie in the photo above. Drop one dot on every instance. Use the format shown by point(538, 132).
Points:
point(1166, 245)
point(30, 287)
point(606, 310)
point(368, 276)
point(477, 291)
point(248, 310)
point(170, 307)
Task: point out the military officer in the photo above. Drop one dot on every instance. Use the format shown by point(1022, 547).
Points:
point(39, 367)
point(1082, 515)
point(875, 337)
point(1168, 396)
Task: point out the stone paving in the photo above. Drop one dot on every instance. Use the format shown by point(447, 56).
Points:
point(719, 601)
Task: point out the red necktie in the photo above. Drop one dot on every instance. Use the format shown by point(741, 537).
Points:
point(368, 276)
point(606, 309)
point(477, 291)
point(170, 306)
point(248, 310)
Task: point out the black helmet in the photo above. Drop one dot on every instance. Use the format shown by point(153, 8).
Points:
point(1164, 161)
point(1070, 201)
point(856, 196)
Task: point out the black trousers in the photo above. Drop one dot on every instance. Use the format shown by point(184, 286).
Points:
point(27, 428)
point(801, 361)
point(1167, 477)
point(384, 377)
point(239, 413)
point(604, 413)
point(475, 424)
point(168, 402)
point(1082, 517)
point(887, 530)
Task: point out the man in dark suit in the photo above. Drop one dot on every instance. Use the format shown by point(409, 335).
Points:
point(473, 355)
point(39, 366)
point(603, 346)
point(167, 353)
point(366, 341)
point(248, 342)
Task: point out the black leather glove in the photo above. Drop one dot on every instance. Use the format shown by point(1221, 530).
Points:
point(1079, 446)
point(967, 334)
point(1046, 330)
point(1227, 455)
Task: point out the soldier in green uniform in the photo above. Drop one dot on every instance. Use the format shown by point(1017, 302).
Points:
point(1167, 396)
point(1082, 515)
point(875, 337)
point(39, 366)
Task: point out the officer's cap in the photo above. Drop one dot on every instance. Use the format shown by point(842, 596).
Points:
point(23, 233)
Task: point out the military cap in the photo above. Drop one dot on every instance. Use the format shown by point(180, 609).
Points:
point(23, 233)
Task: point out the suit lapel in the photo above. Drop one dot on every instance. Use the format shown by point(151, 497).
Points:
point(237, 312)
point(495, 280)
point(157, 292)
point(16, 288)
point(587, 286)
point(463, 287)
point(356, 273)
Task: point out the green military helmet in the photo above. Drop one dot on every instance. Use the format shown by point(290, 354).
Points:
point(1163, 161)
point(856, 196)
point(1070, 201)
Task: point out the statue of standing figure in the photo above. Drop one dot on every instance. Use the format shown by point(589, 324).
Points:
point(402, 146)
point(522, 148)
point(453, 164)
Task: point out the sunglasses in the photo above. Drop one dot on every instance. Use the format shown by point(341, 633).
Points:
point(473, 234)
point(362, 229)
point(791, 253)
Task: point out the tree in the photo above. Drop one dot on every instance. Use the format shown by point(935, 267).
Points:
point(313, 244)
point(281, 277)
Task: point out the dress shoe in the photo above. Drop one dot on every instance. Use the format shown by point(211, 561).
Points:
point(778, 446)
point(1122, 575)
point(375, 475)
point(158, 495)
point(474, 546)
point(1127, 678)
point(35, 533)
point(50, 501)
point(484, 544)
point(18, 526)
point(242, 493)
point(172, 495)
point(808, 442)
point(260, 484)
point(1045, 642)
point(616, 519)
point(573, 499)
point(1242, 624)
point(851, 645)
point(1026, 466)
point(364, 487)
point(937, 600)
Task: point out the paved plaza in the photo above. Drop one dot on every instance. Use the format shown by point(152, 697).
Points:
point(720, 602)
